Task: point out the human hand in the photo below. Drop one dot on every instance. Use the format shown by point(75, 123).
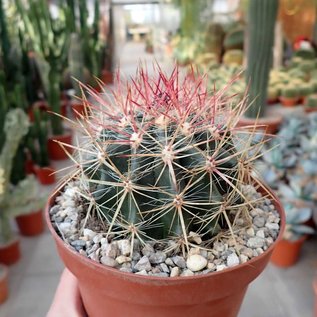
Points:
point(67, 300)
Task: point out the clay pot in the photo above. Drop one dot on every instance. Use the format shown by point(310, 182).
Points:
point(286, 253)
point(45, 175)
point(55, 151)
point(29, 166)
point(315, 290)
point(31, 224)
point(310, 109)
point(272, 101)
point(107, 77)
point(10, 252)
point(268, 124)
point(4, 289)
point(288, 102)
point(77, 109)
point(108, 292)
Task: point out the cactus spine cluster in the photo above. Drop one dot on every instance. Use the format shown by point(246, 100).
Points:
point(262, 16)
point(163, 159)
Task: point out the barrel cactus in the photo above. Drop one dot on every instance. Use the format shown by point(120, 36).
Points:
point(163, 159)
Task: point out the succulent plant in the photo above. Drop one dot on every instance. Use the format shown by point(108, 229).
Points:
point(233, 57)
point(164, 159)
point(311, 101)
point(305, 89)
point(24, 197)
point(290, 91)
point(272, 93)
point(305, 53)
point(295, 219)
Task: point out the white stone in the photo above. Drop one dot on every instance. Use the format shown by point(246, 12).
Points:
point(250, 232)
point(196, 262)
point(187, 273)
point(232, 260)
point(260, 234)
point(272, 226)
point(174, 271)
point(221, 267)
point(124, 246)
point(89, 233)
point(123, 259)
point(255, 242)
point(211, 266)
point(106, 260)
point(243, 258)
point(194, 237)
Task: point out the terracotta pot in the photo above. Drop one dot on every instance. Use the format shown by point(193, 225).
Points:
point(272, 101)
point(107, 77)
point(108, 292)
point(29, 166)
point(10, 252)
point(4, 289)
point(288, 102)
point(310, 109)
point(268, 124)
point(45, 175)
point(64, 107)
point(55, 151)
point(31, 224)
point(77, 109)
point(286, 253)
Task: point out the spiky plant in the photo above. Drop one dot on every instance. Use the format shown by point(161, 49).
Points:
point(164, 158)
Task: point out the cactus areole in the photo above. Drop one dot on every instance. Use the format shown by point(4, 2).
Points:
point(161, 159)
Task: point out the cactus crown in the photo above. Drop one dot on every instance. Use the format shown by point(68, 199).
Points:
point(164, 158)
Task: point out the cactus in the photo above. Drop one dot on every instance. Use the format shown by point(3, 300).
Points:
point(311, 101)
point(305, 89)
point(290, 92)
point(272, 93)
point(164, 159)
point(262, 16)
point(24, 197)
point(40, 133)
point(305, 53)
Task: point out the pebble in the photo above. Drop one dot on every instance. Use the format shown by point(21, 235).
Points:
point(232, 260)
point(123, 259)
point(147, 250)
point(211, 266)
point(221, 267)
point(54, 210)
point(179, 261)
point(106, 260)
point(169, 262)
point(194, 237)
point(260, 234)
point(143, 272)
point(157, 257)
point(175, 271)
point(196, 262)
point(272, 226)
point(110, 250)
point(143, 264)
point(64, 227)
point(89, 234)
point(243, 258)
point(247, 252)
point(187, 272)
point(97, 238)
point(255, 242)
point(78, 244)
point(124, 246)
point(259, 221)
point(164, 268)
point(193, 251)
point(219, 246)
point(250, 232)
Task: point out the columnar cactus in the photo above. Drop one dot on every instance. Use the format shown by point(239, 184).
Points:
point(164, 159)
point(24, 197)
point(262, 16)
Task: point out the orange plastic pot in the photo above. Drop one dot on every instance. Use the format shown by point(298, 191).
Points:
point(55, 151)
point(286, 253)
point(4, 289)
point(45, 175)
point(268, 124)
point(288, 102)
point(108, 292)
point(31, 224)
point(10, 252)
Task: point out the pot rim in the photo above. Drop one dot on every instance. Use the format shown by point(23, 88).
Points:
point(15, 239)
point(99, 266)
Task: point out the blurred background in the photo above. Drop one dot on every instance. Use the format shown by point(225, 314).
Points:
point(263, 49)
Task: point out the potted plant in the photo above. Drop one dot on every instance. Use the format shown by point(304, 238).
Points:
point(43, 169)
point(163, 202)
point(261, 16)
point(14, 200)
point(272, 95)
point(289, 96)
point(304, 90)
point(4, 289)
point(288, 249)
point(311, 103)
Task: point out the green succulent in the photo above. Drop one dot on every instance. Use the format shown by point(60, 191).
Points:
point(311, 101)
point(289, 92)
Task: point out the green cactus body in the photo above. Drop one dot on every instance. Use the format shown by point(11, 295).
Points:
point(163, 160)
point(290, 92)
point(305, 89)
point(262, 16)
point(311, 101)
